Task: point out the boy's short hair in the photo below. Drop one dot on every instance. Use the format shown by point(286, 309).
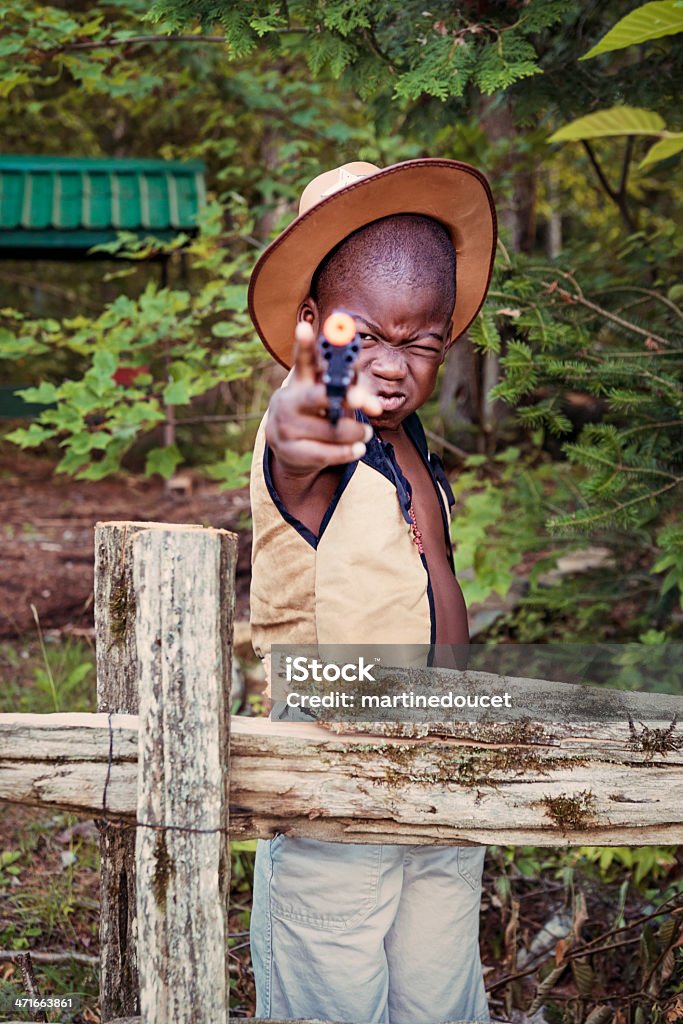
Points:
point(404, 246)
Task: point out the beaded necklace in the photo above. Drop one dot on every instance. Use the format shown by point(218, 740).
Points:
point(414, 528)
point(417, 534)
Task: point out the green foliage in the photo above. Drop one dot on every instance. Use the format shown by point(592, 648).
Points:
point(434, 53)
point(561, 338)
point(628, 121)
point(501, 507)
point(649, 864)
point(174, 335)
point(60, 677)
point(634, 905)
point(232, 471)
point(69, 679)
point(616, 121)
point(40, 43)
point(670, 561)
point(630, 462)
point(669, 145)
point(651, 21)
point(483, 333)
point(163, 461)
point(9, 867)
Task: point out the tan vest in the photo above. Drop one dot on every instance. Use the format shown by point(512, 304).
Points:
point(362, 580)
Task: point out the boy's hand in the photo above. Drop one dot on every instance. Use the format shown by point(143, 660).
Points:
point(301, 437)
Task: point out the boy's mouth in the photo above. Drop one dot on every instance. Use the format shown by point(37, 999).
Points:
point(391, 400)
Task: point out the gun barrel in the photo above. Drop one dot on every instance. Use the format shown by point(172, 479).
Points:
point(339, 346)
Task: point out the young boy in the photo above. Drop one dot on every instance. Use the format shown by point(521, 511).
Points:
point(351, 545)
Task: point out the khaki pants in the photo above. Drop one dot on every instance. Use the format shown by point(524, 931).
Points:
point(367, 933)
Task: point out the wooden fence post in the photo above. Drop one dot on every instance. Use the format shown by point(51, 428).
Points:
point(117, 691)
point(184, 588)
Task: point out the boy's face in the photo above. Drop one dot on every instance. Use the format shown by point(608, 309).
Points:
point(405, 332)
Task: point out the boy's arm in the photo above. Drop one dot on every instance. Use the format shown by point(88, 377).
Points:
point(308, 452)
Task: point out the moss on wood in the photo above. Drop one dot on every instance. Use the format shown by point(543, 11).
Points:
point(654, 741)
point(163, 869)
point(468, 766)
point(121, 610)
point(571, 812)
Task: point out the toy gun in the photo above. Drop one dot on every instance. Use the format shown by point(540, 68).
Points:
point(339, 345)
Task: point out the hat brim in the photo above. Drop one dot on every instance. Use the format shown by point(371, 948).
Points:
point(455, 194)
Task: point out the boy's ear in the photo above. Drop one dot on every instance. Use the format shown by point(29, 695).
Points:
point(308, 313)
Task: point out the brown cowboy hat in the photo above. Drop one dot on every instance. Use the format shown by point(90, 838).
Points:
point(340, 201)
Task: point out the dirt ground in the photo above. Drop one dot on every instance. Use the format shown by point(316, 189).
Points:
point(47, 536)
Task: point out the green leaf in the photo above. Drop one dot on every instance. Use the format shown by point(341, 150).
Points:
point(10, 81)
point(163, 460)
point(232, 471)
point(104, 364)
point(98, 470)
point(85, 441)
point(666, 147)
point(232, 297)
point(177, 393)
point(70, 462)
point(46, 393)
point(508, 455)
point(223, 329)
point(484, 334)
point(651, 21)
point(615, 121)
point(35, 435)
point(78, 673)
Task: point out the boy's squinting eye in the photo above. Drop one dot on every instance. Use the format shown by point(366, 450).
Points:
point(431, 350)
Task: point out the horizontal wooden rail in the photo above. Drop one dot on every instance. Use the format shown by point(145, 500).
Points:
point(264, 1020)
point(523, 783)
point(256, 1020)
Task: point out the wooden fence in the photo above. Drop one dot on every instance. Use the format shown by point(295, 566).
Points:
point(169, 777)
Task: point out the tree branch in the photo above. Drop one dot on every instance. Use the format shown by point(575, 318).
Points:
point(460, 452)
point(92, 45)
point(564, 294)
point(599, 171)
point(51, 958)
point(236, 418)
point(618, 198)
point(371, 40)
point(50, 289)
point(625, 167)
point(645, 291)
point(593, 946)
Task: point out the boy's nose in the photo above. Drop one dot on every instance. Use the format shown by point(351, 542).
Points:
point(389, 364)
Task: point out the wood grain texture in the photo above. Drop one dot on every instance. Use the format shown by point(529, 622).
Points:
point(117, 691)
point(184, 589)
point(302, 780)
point(262, 1020)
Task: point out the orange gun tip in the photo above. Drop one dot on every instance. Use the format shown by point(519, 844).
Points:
point(339, 328)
